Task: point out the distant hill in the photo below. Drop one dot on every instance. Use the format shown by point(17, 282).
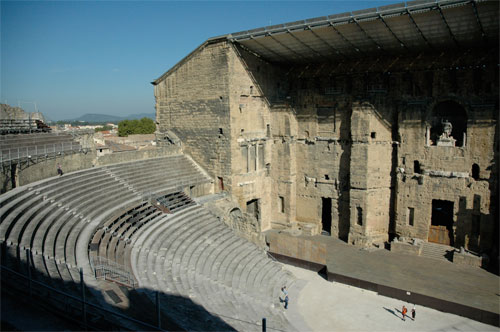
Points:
point(100, 118)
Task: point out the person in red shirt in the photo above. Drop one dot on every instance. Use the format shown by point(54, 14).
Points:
point(404, 311)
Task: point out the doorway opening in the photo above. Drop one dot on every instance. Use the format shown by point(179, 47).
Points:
point(326, 215)
point(13, 175)
point(441, 229)
point(253, 208)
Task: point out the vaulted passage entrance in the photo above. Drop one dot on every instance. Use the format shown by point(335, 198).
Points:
point(326, 215)
point(253, 208)
point(441, 229)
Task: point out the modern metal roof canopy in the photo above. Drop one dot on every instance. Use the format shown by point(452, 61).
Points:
point(414, 26)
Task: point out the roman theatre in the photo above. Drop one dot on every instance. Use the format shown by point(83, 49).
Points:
point(362, 146)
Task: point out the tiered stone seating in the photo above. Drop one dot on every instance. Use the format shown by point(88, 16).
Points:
point(49, 217)
point(188, 253)
point(159, 175)
point(192, 254)
point(8, 126)
point(174, 201)
point(110, 239)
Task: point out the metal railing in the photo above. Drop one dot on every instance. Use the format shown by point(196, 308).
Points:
point(46, 150)
point(109, 270)
point(70, 306)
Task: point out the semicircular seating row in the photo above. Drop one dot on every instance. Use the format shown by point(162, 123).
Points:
point(48, 217)
point(188, 253)
point(193, 255)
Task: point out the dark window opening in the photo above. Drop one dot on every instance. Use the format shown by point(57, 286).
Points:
point(253, 208)
point(442, 213)
point(411, 215)
point(359, 211)
point(373, 134)
point(416, 167)
point(441, 230)
point(326, 215)
point(327, 177)
point(475, 172)
point(282, 204)
point(221, 183)
point(221, 132)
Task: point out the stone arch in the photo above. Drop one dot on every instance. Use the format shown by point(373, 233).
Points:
point(236, 215)
point(452, 112)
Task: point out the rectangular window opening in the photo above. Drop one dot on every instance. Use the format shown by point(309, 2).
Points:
point(359, 211)
point(411, 215)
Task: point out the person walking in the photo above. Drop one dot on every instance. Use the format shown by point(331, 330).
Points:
point(404, 311)
point(286, 301)
point(413, 313)
point(59, 169)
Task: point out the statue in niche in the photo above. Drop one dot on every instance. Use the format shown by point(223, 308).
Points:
point(447, 128)
point(446, 139)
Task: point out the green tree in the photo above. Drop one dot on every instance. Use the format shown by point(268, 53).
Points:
point(103, 128)
point(130, 127)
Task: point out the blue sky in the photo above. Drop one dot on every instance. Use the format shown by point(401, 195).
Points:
point(77, 57)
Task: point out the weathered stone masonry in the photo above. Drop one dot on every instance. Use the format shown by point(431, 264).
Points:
point(353, 146)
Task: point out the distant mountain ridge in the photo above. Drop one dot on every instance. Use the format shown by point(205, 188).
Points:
point(111, 118)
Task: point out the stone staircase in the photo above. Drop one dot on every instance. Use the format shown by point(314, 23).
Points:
point(437, 251)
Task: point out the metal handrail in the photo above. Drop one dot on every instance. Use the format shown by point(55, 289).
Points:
point(110, 270)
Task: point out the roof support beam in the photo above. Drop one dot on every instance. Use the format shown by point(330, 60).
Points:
point(447, 26)
point(381, 18)
point(265, 47)
point(478, 19)
point(284, 46)
point(418, 29)
point(366, 34)
point(325, 42)
point(304, 44)
point(344, 38)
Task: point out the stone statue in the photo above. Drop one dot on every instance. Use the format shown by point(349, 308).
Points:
point(447, 128)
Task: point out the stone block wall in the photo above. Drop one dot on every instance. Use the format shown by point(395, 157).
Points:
point(193, 102)
point(464, 175)
point(361, 135)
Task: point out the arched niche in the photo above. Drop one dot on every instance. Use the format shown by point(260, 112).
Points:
point(448, 124)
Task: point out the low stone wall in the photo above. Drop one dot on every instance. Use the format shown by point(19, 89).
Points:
point(304, 249)
point(406, 248)
point(28, 172)
point(121, 157)
point(464, 258)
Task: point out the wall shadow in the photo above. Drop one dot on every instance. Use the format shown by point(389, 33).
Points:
point(178, 313)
